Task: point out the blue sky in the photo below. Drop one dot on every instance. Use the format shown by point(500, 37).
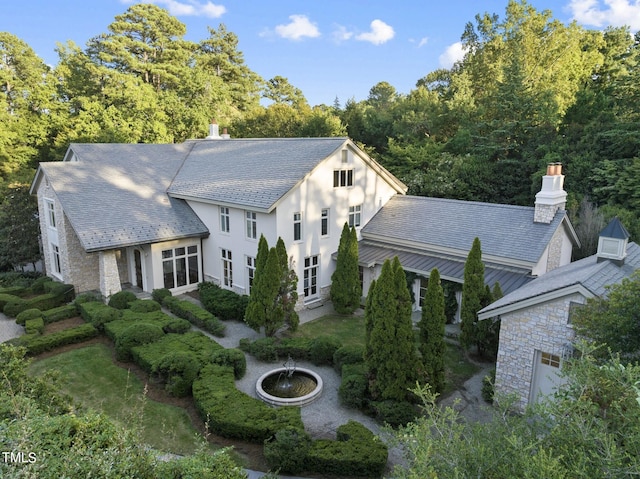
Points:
point(328, 48)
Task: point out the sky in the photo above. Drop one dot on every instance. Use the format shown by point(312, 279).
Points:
point(329, 49)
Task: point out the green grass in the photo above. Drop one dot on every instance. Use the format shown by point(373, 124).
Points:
point(95, 382)
point(458, 369)
point(349, 330)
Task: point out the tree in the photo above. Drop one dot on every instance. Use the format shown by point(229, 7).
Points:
point(432, 330)
point(264, 309)
point(345, 280)
point(391, 356)
point(473, 291)
point(280, 91)
point(288, 292)
point(19, 227)
point(613, 321)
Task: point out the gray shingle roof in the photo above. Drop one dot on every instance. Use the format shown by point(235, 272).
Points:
point(254, 173)
point(587, 272)
point(505, 231)
point(115, 195)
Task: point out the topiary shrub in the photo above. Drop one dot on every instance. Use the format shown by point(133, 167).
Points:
point(121, 299)
point(223, 303)
point(144, 306)
point(66, 292)
point(37, 287)
point(233, 358)
point(353, 391)
point(34, 326)
point(296, 348)
point(287, 450)
point(177, 325)
point(195, 315)
point(37, 344)
point(322, 350)
point(88, 298)
point(395, 413)
point(160, 293)
point(105, 315)
point(264, 349)
point(14, 306)
point(351, 354)
point(58, 314)
point(135, 335)
point(28, 314)
point(178, 370)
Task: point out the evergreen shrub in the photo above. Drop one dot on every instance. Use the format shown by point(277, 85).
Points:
point(178, 370)
point(28, 314)
point(135, 335)
point(19, 291)
point(353, 390)
point(160, 293)
point(233, 358)
point(144, 306)
point(296, 348)
point(350, 354)
point(322, 350)
point(37, 344)
point(195, 315)
point(223, 303)
point(58, 314)
point(88, 298)
point(105, 315)
point(394, 413)
point(121, 299)
point(37, 286)
point(263, 349)
point(177, 325)
point(287, 450)
point(34, 326)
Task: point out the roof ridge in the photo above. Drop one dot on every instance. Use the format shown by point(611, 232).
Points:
point(451, 200)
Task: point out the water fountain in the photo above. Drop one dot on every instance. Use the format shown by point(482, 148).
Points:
point(289, 385)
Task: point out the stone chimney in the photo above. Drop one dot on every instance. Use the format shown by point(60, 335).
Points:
point(552, 196)
point(612, 242)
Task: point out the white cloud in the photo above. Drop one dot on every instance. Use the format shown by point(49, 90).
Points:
point(341, 34)
point(423, 41)
point(299, 27)
point(601, 13)
point(452, 54)
point(187, 7)
point(379, 34)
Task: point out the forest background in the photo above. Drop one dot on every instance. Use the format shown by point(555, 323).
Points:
point(529, 91)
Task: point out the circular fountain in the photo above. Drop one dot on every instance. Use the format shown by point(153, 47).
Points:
point(289, 385)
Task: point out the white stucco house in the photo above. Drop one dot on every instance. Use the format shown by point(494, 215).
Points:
point(536, 334)
point(173, 215)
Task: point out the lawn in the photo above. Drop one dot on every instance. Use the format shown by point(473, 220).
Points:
point(350, 331)
point(95, 382)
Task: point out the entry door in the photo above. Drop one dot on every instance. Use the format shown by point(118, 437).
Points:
point(546, 375)
point(138, 263)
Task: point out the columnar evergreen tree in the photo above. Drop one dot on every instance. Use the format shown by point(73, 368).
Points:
point(488, 330)
point(345, 280)
point(288, 292)
point(368, 320)
point(473, 292)
point(263, 309)
point(391, 356)
point(431, 326)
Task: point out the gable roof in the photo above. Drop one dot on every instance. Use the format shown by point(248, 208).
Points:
point(114, 195)
point(587, 276)
point(507, 233)
point(254, 173)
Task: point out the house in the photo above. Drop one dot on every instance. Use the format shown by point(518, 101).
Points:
point(172, 216)
point(518, 243)
point(536, 334)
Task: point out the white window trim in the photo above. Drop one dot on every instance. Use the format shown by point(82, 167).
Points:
point(227, 268)
point(354, 218)
point(187, 255)
point(251, 225)
point(310, 268)
point(225, 219)
point(50, 206)
point(325, 218)
point(297, 221)
point(250, 265)
point(56, 260)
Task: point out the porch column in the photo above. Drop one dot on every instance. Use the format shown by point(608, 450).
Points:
point(109, 276)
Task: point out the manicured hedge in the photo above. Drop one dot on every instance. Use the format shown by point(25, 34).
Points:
point(351, 354)
point(178, 370)
point(222, 303)
point(58, 314)
point(144, 305)
point(233, 414)
point(233, 358)
point(19, 291)
point(318, 350)
point(6, 298)
point(195, 315)
point(356, 452)
point(28, 314)
point(121, 299)
point(60, 295)
point(114, 328)
point(34, 326)
point(134, 335)
point(354, 387)
point(37, 344)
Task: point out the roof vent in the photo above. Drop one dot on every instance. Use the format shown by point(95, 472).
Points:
point(612, 242)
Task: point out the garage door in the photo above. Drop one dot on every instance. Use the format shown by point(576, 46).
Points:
point(546, 377)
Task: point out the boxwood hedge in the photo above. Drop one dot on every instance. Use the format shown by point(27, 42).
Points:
point(233, 414)
point(37, 344)
point(195, 315)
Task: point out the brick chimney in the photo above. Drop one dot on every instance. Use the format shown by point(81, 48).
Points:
point(552, 196)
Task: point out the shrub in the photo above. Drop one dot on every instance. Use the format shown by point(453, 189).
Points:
point(66, 292)
point(37, 286)
point(38, 344)
point(159, 294)
point(28, 314)
point(88, 309)
point(322, 350)
point(6, 298)
point(351, 354)
point(357, 452)
point(233, 358)
point(14, 306)
point(134, 335)
point(58, 314)
point(353, 391)
point(395, 413)
point(177, 325)
point(264, 349)
point(34, 326)
point(18, 278)
point(178, 370)
point(487, 386)
point(19, 291)
point(105, 315)
point(287, 450)
point(233, 414)
point(88, 298)
point(223, 303)
point(296, 348)
point(144, 306)
point(43, 302)
point(121, 299)
point(195, 315)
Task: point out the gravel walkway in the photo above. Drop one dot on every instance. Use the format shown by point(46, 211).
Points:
point(9, 329)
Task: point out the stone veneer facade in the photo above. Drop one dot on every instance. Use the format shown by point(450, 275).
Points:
point(544, 327)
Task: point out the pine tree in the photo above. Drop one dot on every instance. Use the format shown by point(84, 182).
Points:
point(345, 280)
point(473, 291)
point(392, 360)
point(288, 292)
point(431, 326)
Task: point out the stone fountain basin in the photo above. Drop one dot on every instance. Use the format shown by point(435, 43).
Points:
point(295, 401)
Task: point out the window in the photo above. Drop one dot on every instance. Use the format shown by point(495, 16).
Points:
point(345, 156)
point(311, 276)
point(342, 178)
point(56, 264)
point(51, 214)
point(424, 282)
point(180, 266)
point(550, 360)
point(297, 226)
point(224, 219)
point(252, 224)
point(354, 215)
point(251, 271)
point(227, 269)
point(324, 222)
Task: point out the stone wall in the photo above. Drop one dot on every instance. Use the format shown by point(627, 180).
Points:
point(555, 250)
point(544, 213)
point(541, 327)
point(109, 277)
point(82, 267)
